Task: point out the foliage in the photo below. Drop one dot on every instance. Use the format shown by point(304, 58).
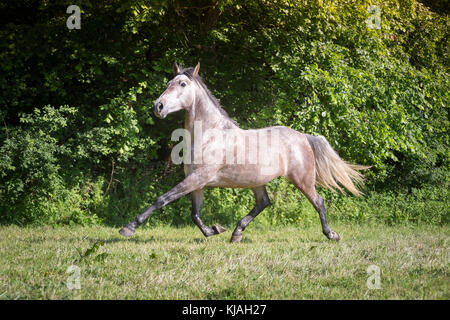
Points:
point(37, 183)
point(78, 141)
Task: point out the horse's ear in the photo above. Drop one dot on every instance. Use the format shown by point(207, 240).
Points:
point(176, 68)
point(197, 68)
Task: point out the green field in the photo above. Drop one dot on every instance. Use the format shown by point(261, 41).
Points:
point(270, 263)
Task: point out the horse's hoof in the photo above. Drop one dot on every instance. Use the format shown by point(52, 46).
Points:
point(218, 228)
point(334, 236)
point(236, 238)
point(126, 232)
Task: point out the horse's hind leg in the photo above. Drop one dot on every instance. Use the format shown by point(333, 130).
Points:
point(197, 201)
point(262, 201)
point(317, 201)
point(318, 204)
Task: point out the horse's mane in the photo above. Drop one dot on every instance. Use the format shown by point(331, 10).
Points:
point(189, 72)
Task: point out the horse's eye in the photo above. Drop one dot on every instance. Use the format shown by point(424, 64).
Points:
point(183, 84)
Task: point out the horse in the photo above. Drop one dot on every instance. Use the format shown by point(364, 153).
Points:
point(251, 160)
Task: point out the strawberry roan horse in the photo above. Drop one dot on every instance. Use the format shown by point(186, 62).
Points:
point(247, 158)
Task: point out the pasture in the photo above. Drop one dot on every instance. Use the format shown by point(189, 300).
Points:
point(270, 263)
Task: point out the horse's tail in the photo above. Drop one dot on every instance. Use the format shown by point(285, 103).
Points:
point(331, 169)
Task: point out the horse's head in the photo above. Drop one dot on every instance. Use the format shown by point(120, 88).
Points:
point(180, 92)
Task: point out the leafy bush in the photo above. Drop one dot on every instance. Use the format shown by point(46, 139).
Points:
point(380, 96)
point(32, 188)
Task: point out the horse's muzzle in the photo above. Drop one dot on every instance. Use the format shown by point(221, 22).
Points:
point(158, 109)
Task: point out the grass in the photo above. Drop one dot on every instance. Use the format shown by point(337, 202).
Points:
point(270, 263)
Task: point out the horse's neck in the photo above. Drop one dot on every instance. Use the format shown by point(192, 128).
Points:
point(204, 113)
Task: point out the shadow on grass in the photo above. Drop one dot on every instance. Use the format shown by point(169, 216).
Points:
point(134, 239)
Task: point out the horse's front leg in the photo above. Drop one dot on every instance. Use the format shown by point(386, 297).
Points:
point(197, 201)
point(194, 181)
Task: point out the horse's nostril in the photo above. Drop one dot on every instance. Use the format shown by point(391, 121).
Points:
point(160, 106)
